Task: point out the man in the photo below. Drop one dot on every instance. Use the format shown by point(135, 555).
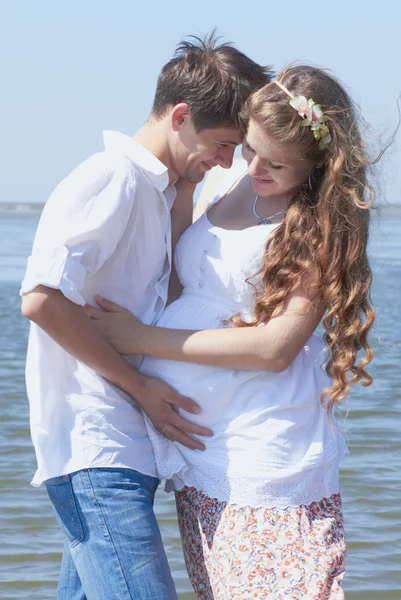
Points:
point(107, 229)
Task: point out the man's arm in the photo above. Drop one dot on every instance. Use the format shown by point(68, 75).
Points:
point(71, 328)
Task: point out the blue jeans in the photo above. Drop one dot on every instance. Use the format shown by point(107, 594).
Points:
point(113, 548)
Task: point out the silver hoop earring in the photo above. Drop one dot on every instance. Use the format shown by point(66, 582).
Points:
point(310, 183)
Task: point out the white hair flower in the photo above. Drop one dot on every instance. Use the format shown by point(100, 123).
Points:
point(313, 117)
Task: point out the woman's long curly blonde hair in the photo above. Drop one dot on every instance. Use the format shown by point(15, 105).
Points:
point(326, 226)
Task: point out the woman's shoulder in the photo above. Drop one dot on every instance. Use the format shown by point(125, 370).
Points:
point(217, 183)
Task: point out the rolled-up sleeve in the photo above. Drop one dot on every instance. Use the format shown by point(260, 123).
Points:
point(81, 225)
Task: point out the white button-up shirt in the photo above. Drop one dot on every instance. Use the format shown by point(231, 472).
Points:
point(105, 230)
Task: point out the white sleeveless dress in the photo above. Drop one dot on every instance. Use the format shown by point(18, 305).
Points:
point(273, 445)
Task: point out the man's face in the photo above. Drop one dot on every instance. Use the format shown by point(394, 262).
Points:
point(195, 153)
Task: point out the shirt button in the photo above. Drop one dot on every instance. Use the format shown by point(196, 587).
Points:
point(202, 270)
point(205, 252)
point(200, 285)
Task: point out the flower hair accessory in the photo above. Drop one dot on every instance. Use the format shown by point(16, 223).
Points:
point(311, 114)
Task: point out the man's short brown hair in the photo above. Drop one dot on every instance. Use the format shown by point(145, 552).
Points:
point(215, 80)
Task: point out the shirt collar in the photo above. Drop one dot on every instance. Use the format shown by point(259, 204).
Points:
point(156, 171)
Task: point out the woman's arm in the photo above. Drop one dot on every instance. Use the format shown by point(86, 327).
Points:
point(181, 219)
point(214, 183)
point(272, 347)
point(208, 192)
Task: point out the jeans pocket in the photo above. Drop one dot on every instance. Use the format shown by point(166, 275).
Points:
point(62, 497)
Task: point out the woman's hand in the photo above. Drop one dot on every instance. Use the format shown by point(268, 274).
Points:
point(122, 329)
point(185, 188)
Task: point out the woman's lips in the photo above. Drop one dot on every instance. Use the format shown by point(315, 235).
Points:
point(261, 180)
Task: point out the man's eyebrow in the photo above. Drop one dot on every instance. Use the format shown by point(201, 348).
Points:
point(229, 142)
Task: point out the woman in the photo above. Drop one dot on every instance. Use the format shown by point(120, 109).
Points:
point(259, 510)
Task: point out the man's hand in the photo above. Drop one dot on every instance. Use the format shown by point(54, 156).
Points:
point(124, 332)
point(160, 402)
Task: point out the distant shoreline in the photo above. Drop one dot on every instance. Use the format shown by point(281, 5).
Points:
point(20, 208)
point(15, 208)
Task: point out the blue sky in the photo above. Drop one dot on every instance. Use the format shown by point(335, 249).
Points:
point(71, 69)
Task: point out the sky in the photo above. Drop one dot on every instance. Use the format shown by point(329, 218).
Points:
point(71, 69)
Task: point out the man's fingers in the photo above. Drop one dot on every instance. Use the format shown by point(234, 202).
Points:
point(185, 403)
point(186, 426)
point(108, 304)
point(189, 406)
point(176, 435)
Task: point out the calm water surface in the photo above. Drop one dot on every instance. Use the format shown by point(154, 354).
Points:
point(30, 542)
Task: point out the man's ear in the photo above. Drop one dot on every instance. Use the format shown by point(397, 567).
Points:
point(178, 115)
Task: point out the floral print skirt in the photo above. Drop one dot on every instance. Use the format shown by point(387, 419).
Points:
point(241, 553)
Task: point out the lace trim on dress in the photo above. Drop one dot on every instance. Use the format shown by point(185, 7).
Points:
point(300, 484)
point(307, 486)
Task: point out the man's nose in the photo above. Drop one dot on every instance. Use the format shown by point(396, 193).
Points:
point(225, 157)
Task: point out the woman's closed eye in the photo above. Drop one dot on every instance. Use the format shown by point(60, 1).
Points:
point(249, 148)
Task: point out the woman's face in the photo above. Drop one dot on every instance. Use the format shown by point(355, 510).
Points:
point(275, 169)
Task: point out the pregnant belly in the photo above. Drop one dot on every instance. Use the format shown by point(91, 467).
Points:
point(194, 311)
point(211, 387)
point(261, 412)
point(232, 399)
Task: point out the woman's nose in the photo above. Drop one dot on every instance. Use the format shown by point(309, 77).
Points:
point(255, 168)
